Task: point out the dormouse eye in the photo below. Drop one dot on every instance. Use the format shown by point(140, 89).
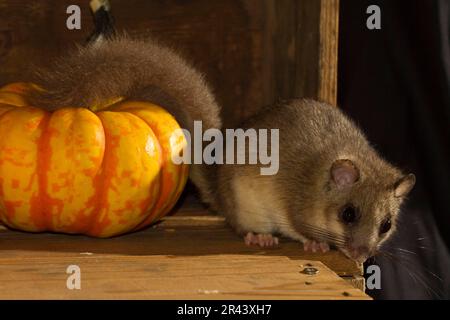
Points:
point(385, 225)
point(349, 214)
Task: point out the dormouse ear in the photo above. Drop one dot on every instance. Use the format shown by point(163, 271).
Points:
point(344, 173)
point(404, 185)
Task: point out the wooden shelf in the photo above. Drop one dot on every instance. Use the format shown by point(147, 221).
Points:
point(184, 257)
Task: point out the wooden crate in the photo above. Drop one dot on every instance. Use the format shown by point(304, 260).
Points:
point(253, 52)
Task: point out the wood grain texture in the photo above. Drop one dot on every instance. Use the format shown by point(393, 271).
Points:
point(253, 52)
point(358, 282)
point(177, 235)
point(180, 258)
point(164, 277)
point(328, 54)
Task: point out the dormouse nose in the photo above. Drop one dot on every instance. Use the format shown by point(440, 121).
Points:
point(359, 252)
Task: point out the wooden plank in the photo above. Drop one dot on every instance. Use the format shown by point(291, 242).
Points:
point(328, 56)
point(191, 214)
point(183, 257)
point(335, 260)
point(301, 49)
point(292, 49)
point(187, 236)
point(359, 282)
point(106, 276)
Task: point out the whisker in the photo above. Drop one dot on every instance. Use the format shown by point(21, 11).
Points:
point(404, 250)
point(322, 231)
point(324, 234)
point(319, 233)
point(417, 277)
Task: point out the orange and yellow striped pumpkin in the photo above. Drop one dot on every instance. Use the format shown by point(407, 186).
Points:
point(100, 171)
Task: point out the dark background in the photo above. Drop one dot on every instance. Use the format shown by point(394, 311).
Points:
point(395, 83)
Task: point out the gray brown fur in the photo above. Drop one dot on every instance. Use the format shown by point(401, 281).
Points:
point(313, 136)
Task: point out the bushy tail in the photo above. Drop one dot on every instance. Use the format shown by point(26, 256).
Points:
point(135, 69)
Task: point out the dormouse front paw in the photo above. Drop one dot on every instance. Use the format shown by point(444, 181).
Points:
point(263, 240)
point(315, 246)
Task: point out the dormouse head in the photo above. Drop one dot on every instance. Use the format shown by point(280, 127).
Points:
point(360, 205)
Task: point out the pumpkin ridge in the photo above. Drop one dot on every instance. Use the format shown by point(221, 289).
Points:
point(101, 190)
point(154, 196)
point(153, 212)
point(97, 182)
point(42, 168)
point(70, 129)
point(91, 202)
point(13, 213)
point(160, 206)
point(3, 217)
point(181, 172)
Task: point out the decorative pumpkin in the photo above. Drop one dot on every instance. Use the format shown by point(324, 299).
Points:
point(100, 171)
